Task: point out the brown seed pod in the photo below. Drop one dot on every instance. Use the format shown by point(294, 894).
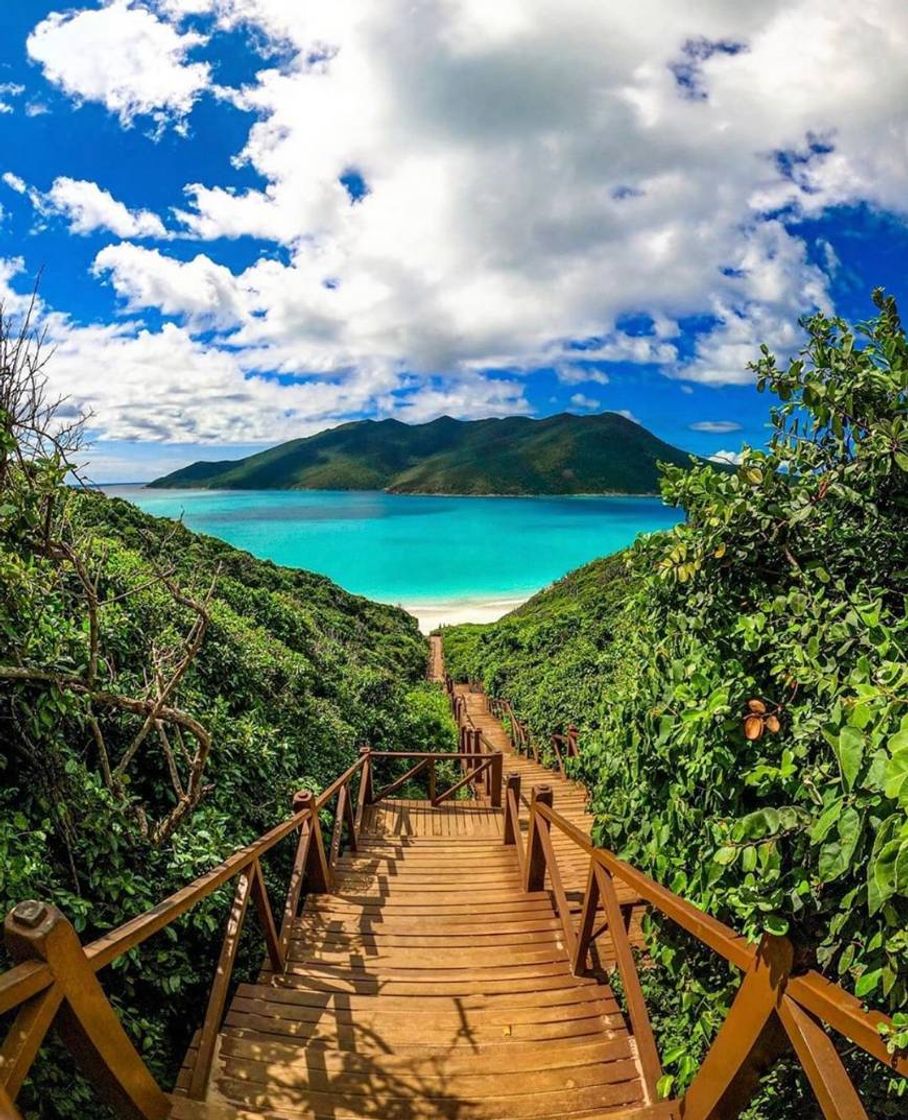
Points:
point(756, 706)
point(772, 723)
point(753, 727)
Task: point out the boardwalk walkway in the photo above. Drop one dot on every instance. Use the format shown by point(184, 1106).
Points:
point(436, 660)
point(427, 984)
point(450, 961)
point(569, 798)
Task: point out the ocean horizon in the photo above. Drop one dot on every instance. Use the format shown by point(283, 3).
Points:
point(444, 559)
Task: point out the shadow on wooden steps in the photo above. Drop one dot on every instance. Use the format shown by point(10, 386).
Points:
point(427, 984)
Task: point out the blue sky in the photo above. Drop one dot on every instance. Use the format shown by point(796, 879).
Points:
point(254, 218)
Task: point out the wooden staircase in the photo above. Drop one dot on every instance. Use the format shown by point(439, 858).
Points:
point(427, 984)
point(570, 800)
point(449, 960)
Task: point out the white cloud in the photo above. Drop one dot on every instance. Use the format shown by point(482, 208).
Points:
point(732, 457)
point(628, 415)
point(637, 199)
point(9, 91)
point(580, 375)
point(14, 182)
point(721, 427)
point(198, 289)
point(535, 175)
point(168, 386)
point(124, 56)
point(588, 404)
point(89, 208)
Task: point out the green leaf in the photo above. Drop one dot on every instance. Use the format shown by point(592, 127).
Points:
point(898, 741)
point(896, 785)
point(832, 862)
point(775, 924)
point(764, 822)
point(825, 822)
point(850, 754)
point(867, 982)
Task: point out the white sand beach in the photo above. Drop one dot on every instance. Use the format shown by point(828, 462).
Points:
point(454, 611)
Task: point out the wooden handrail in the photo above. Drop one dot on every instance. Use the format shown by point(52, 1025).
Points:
point(393, 787)
point(769, 994)
point(46, 976)
point(132, 933)
point(719, 937)
point(467, 779)
point(22, 982)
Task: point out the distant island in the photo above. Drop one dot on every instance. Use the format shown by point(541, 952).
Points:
point(564, 454)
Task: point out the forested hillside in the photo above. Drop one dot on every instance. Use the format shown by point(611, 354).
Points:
point(564, 454)
point(741, 685)
point(162, 695)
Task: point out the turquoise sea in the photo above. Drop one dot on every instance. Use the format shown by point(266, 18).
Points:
point(442, 558)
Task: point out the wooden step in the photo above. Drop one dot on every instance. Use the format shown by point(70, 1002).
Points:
point(428, 984)
point(366, 1099)
point(184, 1109)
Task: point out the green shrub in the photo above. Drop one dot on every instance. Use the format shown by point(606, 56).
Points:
point(292, 676)
point(744, 685)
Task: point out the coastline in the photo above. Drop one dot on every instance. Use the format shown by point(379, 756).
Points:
point(452, 612)
point(391, 492)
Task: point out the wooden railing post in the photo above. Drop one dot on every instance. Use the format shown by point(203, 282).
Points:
point(431, 789)
point(511, 824)
point(496, 772)
point(367, 777)
point(365, 794)
point(86, 1021)
point(750, 1038)
point(266, 919)
point(534, 879)
point(555, 740)
point(316, 870)
point(601, 888)
point(476, 751)
point(820, 1060)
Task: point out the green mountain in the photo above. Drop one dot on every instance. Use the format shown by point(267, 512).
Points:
point(564, 454)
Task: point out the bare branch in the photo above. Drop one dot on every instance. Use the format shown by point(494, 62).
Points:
point(103, 756)
point(171, 761)
point(107, 699)
point(192, 645)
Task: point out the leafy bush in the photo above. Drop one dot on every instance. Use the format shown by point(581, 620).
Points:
point(293, 674)
point(747, 728)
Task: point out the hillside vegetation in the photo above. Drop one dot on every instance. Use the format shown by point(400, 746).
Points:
point(162, 695)
point(741, 684)
point(565, 454)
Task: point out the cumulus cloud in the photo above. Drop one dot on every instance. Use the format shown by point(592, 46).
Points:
point(167, 385)
point(587, 404)
point(720, 427)
point(123, 56)
point(89, 207)
point(528, 174)
point(580, 374)
point(731, 457)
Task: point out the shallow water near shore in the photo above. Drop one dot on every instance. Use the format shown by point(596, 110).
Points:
point(444, 559)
